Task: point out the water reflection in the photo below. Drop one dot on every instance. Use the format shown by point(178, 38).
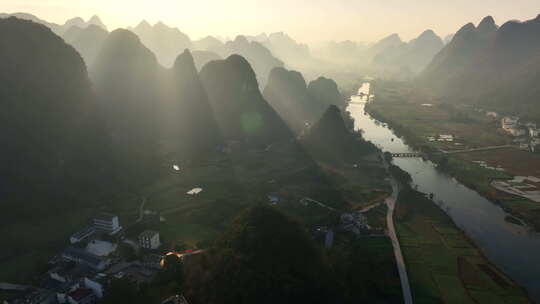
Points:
point(513, 248)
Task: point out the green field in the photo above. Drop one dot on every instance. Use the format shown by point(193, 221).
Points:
point(443, 266)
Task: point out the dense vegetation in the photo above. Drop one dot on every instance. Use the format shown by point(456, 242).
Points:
point(54, 142)
point(265, 257)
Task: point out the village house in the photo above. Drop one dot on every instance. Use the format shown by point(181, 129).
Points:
point(81, 296)
point(446, 137)
point(69, 272)
point(82, 235)
point(96, 284)
point(533, 132)
point(83, 257)
point(492, 114)
point(354, 222)
point(511, 126)
point(149, 240)
point(107, 223)
point(32, 296)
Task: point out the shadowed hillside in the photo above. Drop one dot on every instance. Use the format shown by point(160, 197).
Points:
point(239, 107)
point(330, 139)
point(298, 103)
point(54, 145)
point(125, 78)
point(187, 121)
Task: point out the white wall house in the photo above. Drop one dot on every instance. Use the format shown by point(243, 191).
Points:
point(82, 235)
point(107, 223)
point(149, 240)
point(533, 132)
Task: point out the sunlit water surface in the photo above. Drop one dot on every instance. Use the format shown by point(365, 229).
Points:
point(514, 249)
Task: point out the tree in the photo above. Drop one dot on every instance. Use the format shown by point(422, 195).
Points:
point(265, 257)
point(126, 291)
point(172, 274)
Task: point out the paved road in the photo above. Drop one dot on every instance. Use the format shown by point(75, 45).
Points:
point(9, 286)
point(368, 208)
point(391, 203)
point(141, 209)
point(400, 262)
point(478, 149)
point(318, 203)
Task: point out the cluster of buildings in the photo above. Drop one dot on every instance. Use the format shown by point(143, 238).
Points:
point(82, 272)
point(526, 134)
point(442, 138)
point(104, 223)
point(354, 222)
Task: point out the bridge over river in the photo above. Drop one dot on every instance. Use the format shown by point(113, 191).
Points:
point(407, 155)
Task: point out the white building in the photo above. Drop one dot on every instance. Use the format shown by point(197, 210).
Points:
point(533, 132)
point(95, 286)
point(83, 257)
point(511, 125)
point(149, 240)
point(107, 223)
point(82, 235)
point(509, 122)
point(446, 137)
point(492, 114)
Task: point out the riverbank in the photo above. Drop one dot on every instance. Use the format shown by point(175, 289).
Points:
point(444, 265)
point(513, 249)
point(412, 129)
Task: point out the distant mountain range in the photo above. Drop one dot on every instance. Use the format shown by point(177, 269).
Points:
point(166, 42)
point(492, 66)
point(88, 41)
point(57, 28)
point(126, 113)
point(261, 58)
point(394, 55)
point(284, 47)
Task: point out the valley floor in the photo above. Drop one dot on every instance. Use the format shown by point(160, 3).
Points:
point(463, 157)
point(443, 265)
point(282, 177)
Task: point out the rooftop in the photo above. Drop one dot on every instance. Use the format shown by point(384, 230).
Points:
point(148, 234)
point(105, 217)
point(82, 254)
point(80, 293)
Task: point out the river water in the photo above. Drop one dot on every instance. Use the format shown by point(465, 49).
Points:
point(514, 249)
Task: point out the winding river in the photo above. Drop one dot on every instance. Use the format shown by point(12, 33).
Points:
point(514, 249)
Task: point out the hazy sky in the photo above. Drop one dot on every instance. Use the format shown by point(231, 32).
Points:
point(305, 20)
